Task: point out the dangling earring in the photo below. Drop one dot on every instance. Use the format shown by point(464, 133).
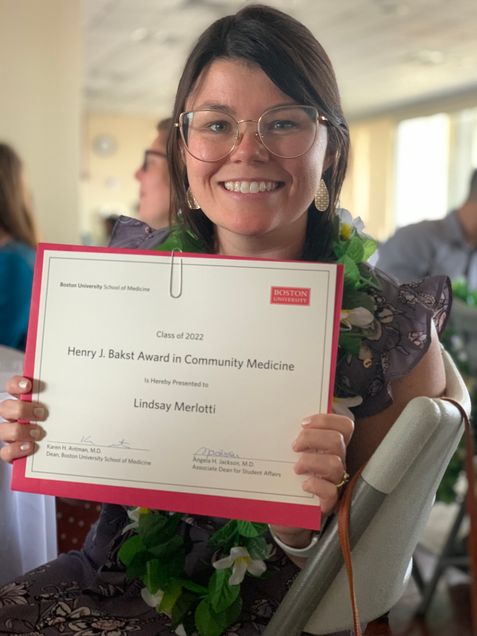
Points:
point(191, 202)
point(322, 197)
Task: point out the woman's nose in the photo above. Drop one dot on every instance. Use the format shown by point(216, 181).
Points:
point(249, 142)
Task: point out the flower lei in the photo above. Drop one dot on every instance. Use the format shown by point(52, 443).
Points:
point(156, 552)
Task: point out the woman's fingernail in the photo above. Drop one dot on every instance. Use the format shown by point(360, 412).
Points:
point(37, 433)
point(24, 384)
point(26, 446)
point(306, 421)
point(39, 412)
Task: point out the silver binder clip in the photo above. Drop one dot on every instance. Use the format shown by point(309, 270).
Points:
point(173, 294)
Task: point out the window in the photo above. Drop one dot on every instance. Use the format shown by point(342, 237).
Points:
point(422, 157)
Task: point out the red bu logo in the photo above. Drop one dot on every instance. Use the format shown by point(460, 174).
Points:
point(290, 296)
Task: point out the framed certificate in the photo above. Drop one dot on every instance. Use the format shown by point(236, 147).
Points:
point(180, 381)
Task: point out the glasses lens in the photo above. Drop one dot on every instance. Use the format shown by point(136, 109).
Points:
point(144, 162)
point(152, 157)
point(208, 134)
point(288, 131)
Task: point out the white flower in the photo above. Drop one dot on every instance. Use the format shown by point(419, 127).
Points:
point(347, 223)
point(341, 406)
point(241, 562)
point(153, 600)
point(180, 631)
point(134, 514)
point(357, 317)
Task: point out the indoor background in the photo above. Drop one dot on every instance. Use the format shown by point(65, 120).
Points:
point(83, 82)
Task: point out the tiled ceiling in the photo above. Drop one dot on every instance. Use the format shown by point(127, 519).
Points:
point(386, 53)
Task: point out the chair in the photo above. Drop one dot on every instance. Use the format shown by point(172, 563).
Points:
point(463, 321)
point(391, 503)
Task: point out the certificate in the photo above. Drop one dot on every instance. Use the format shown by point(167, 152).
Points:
point(179, 381)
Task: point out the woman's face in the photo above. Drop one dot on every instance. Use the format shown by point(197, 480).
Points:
point(277, 214)
point(154, 190)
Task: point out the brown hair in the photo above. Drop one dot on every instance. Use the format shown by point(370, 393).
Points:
point(295, 61)
point(164, 125)
point(15, 215)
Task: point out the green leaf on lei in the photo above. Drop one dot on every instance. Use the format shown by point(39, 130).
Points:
point(369, 247)
point(183, 240)
point(224, 535)
point(251, 530)
point(130, 548)
point(168, 547)
point(350, 342)
point(352, 273)
point(157, 527)
point(193, 587)
point(258, 548)
point(181, 609)
point(171, 595)
point(153, 578)
point(354, 249)
point(354, 298)
point(208, 622)
point(221, 593)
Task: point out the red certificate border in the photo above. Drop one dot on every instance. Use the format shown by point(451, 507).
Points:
point(290, 514)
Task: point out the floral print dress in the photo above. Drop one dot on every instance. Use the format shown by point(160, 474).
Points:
point(86, 592)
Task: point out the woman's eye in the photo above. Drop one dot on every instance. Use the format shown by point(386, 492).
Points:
point(219, 126)
point(282, 125)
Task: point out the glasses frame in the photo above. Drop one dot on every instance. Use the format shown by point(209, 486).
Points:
point(154, 153)
point(320, 119)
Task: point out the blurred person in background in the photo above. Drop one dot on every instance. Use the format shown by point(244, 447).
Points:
point(154, 180)
point(442, 246)
point(18, 240)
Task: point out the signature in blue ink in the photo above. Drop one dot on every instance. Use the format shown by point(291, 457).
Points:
point(203, 451)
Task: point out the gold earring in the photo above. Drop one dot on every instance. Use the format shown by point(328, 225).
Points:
point(191, 202)
point(322, 197)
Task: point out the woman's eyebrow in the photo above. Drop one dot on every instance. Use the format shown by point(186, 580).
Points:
point(228, 109)
point(214, 106)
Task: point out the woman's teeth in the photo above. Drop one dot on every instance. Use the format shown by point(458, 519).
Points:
point(250, 186)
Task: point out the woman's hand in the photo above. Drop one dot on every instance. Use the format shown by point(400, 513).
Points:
point(322, 445)
point(19, 439)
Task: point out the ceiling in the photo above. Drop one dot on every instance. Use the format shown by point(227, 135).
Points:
point(386, 53)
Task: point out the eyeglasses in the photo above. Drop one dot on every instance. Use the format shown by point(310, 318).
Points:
point(146, 163)
point(285, 131)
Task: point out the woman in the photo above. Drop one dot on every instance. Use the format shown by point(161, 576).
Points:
point(17, 251)
point(154, 180)
point(262, 146)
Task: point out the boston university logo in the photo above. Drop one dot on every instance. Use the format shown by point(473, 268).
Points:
point(290, 296)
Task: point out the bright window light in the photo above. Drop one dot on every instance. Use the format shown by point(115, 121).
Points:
point(421, 169)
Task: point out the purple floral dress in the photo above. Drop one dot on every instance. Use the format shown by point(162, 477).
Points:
point(86, 592)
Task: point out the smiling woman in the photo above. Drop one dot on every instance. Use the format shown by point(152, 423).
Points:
point(257, 162)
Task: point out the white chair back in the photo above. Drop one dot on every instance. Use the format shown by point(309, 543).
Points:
point(391, 503)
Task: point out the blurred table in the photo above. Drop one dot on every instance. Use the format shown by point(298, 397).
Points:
point(27, 521)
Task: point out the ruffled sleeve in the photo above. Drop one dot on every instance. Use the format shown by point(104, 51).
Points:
point(400, 337)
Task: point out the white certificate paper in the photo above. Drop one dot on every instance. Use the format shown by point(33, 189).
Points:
point(180, 382)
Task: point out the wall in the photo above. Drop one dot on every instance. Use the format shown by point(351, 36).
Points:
point(40, 105)
point(368, 190)
point(108, 183)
